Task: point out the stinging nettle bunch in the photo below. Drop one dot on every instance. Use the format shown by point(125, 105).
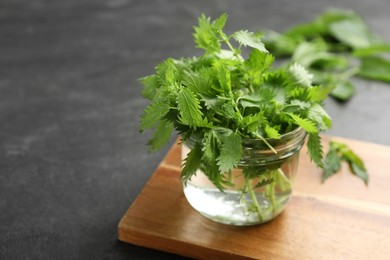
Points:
point(221, 98)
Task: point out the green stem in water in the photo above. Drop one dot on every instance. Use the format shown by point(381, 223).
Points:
point(254, 199)
point(271, 192)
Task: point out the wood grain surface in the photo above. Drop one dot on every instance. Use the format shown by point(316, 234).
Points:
point(341, 219)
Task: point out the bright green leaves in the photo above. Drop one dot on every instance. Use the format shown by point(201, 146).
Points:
point(217, 100)
point(223, 76)
point(315, 149)
point(335, 46)
point(332, 162)
point(272, 132)
point(198, 82)
point(339, 152)
point(249, 39)
point(161, 135)
point(189, 108)
point(153, 114)
point(206, 34)
point(191, 163)
point(301, 75)
point(231, 150)
point(209, 35)
point(318, 114)
point(306, 124)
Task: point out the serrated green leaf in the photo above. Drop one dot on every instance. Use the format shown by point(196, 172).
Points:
point(305, 123)
point(297, 106)
point(221, 21)
point(252, 122)
point(191, 163)
point(189, 108)
point(320, 93)
point(355, 163)
point(249, 39)
point(271, 132)
point(332, 163)
point(223, 76)
point(315, 149)
point(150, 84)
point(259, 60)
point(153, 114)
point(206, 36)
point(161, 135)
point(231, 150)
point(256, 65)
point(198, 82)
point(360, 172)
point(301, 75)
point(318, 114)
point(211, 146)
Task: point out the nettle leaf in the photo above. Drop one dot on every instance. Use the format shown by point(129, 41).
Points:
point(280, 44)
point(320, 93)
point(375, 68)
point(297, 106)
point(343, 90)
point(259, 60)
point(315, 54)
point(341, 152)
point(305, 123)
point(332, 163)
point(189, 108)
point(206, 35)
point(153, 114)
point(360, 172)
point(166, 72)
point(211, 103)
point(161, 135)
point(256, 65)
point(301, 75)
point(353, 32)
point(231, 150)
point(211, 145)
point(249, 39)
point(372, 50)
point(315, 149)
point(221, 21)
point(271, 132)
point(198, 82)
point(223, 75)
point(252, 122)
point(318, 114)
point(191, 163)
point(150, 84)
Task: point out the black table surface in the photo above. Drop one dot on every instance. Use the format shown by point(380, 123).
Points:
point(71, 156)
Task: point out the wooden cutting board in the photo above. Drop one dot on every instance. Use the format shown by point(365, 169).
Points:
point(341, 219)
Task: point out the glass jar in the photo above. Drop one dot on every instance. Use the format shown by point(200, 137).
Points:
point(261, 185)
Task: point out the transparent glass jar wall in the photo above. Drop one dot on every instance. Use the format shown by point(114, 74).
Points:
point(262, 183)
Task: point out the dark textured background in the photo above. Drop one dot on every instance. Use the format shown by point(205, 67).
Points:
point(71, 157)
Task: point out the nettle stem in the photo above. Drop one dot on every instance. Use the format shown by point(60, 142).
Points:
point(252, 194)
